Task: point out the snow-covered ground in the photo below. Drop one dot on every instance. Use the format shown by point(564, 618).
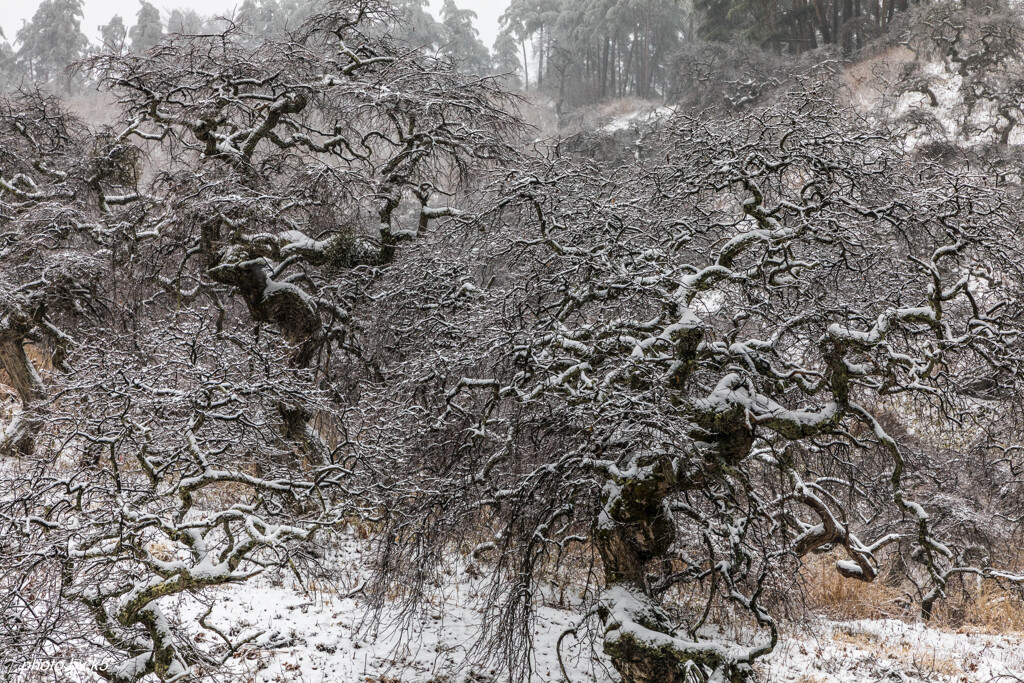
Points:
point(888, 650)
point(324, 639)
point(324, 635)
point(643, 115)
point(313, 633)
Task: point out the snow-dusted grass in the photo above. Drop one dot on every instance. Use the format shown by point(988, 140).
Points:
point(638, 116)
point(889, 650)
point(330, 638)
point(318, 633)
point(325, 638)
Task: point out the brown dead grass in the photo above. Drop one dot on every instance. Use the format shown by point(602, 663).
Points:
point(988, 608)
point(972, 607)
point(828, 593)
point(869, 79)
point(910, 655)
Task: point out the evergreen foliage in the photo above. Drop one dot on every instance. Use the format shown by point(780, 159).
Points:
point(113, 33)
point(148, 29)
point(51, 40)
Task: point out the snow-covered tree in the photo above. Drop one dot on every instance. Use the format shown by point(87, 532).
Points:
point(52, 40)
point(178, 329)
point(148, 28)
point(185, 21)
point(8, 64)
point(755, 342)
point(316, 274)
point(506, 60)
point(462, 40)
point(270, 18)
point(113, 33)
point(416, 25)
point(979, 47)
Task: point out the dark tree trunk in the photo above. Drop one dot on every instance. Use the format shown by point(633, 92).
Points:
point(22, 375)
point(633, 529)
point(823, 22)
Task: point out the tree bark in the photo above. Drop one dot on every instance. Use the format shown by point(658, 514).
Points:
point(19, 434)
point(634, 528)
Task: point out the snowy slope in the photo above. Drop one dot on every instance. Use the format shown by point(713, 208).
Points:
point(327, 639)
point(323, 634)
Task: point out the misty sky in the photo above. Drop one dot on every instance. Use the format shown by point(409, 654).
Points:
point(98, 12)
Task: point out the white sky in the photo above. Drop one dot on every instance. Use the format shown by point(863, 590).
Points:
point(99, 12)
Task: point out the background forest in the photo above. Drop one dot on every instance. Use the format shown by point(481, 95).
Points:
point(586, 50)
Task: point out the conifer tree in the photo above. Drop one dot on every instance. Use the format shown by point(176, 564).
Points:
point(185, 22)
point(506, 60)
point(51, 40)
point(148, 29)
point(462, 40)
point(113, 33)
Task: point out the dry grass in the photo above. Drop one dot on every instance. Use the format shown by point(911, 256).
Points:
point(985, 608)
point(828, 593)
point(912, 656)
point(865, 641)
point(39, 357)
point(975, 606)
point(868, 80)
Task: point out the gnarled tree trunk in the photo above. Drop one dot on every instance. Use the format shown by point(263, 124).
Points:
point(635, 526)
point(19, 433)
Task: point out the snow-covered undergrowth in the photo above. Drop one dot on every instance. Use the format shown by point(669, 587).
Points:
point(324, 638)
point(317, 633)
point(889, 650)
point(327, 639)
point(637, 116)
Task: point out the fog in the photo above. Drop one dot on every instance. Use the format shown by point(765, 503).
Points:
point(99, 12)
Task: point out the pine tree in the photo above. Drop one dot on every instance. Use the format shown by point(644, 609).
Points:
point(417, 26)
point(113, 33)
point(506, 60)
point(260, 16)
point(292, 14)
point(51, 40)
point(186, 22)
point(462, 40)
point(148, 29)
point(273, 18)
point(7, 66)
point(520, 21)
point(592, 49)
